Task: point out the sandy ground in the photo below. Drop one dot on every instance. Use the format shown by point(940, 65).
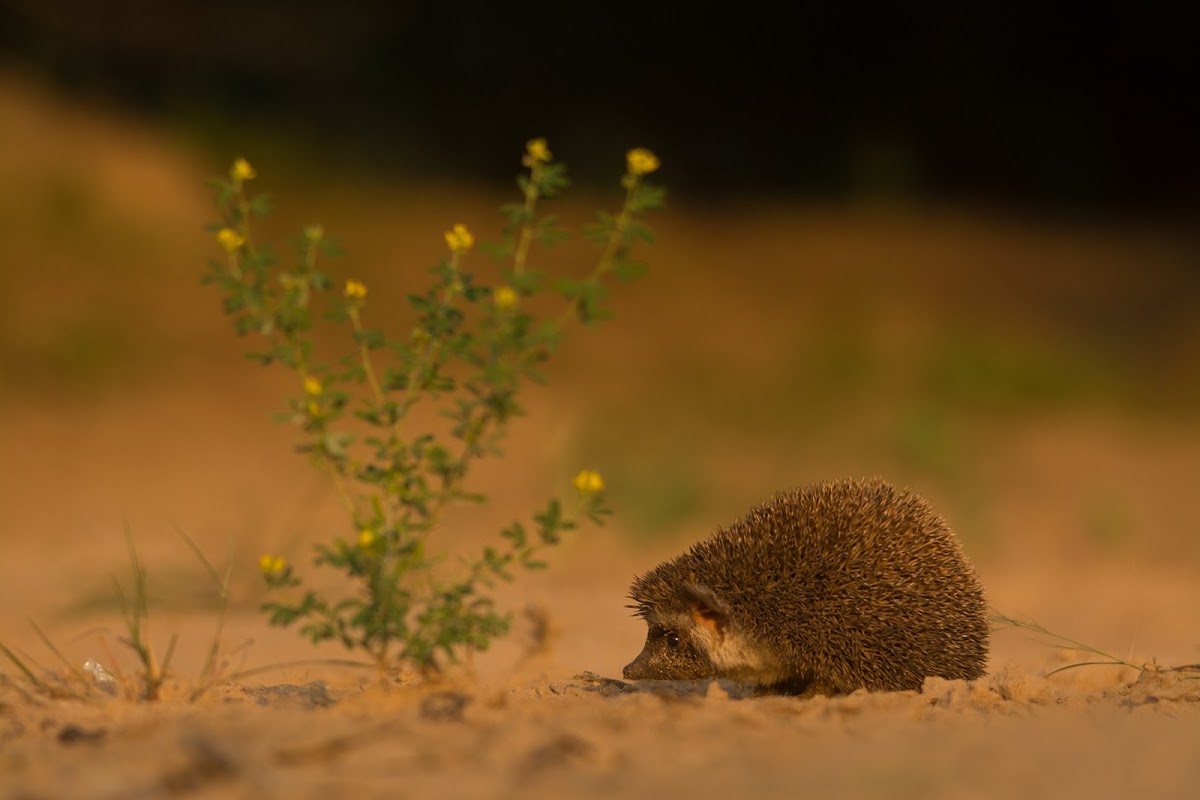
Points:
point(1038, 382)
point(1011, 733)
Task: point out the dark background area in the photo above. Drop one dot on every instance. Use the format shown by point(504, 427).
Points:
point(1048, 108)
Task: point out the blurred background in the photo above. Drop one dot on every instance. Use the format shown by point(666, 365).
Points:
point(951, 246)
point(1045, 109)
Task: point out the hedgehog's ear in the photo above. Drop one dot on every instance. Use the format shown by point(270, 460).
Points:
point(707, 610)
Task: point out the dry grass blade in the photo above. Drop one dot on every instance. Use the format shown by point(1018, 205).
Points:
point(303, 662)
point(58, 688)
point(25, 670)
point(1065, 642)
point(71, 668)
point(136, 611)
point(208, 673)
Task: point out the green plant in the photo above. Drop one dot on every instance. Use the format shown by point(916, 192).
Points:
point(471, 345)
point(135, 610)
point(152, 675)
point(77, 683)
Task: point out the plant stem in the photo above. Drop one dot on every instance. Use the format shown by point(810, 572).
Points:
point(364, 355)
point(526, 238)
point(604, 264)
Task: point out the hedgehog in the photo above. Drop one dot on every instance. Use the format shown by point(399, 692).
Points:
point(822, 590)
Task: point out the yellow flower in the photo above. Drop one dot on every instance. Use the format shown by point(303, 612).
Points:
point(536, 152)
point(314, 233)
point(355, 290)
point(641, 161)
point(505, 298)
point(312, 386)
point(366, 539)
point(314, 408)
point(459, 239)
point(230, 240)
point(589, 482)
point(272, 565)
point(242, 171)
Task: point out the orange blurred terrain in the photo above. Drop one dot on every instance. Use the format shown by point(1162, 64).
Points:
point(1038, 380)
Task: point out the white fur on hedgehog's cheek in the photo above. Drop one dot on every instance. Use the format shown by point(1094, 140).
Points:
point(704, 639)
point(735, 656)
point(729, 651)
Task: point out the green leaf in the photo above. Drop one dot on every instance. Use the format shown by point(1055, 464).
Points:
point(261, 205)
point(528, 282)
point(598, 233)
point(569, 288)
point(372, 339)
point(638, 230)
point(553, 179)
point(648, 197)
point(320, 281)
point(331, 247)
point(515, 214)
point(598, 514)
point(516, 533)
point(339, 313)
point(548, 233)
point(626, 271)
point(497, 252)
point(224, 191)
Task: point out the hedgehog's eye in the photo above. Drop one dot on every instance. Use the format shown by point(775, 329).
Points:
point(672, 639)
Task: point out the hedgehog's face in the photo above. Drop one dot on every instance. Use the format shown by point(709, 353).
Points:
point(694, 635)
point(670, 654)
point(686, 637)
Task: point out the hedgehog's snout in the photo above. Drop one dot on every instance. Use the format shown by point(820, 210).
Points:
point(648, 664)
point(636, 670)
